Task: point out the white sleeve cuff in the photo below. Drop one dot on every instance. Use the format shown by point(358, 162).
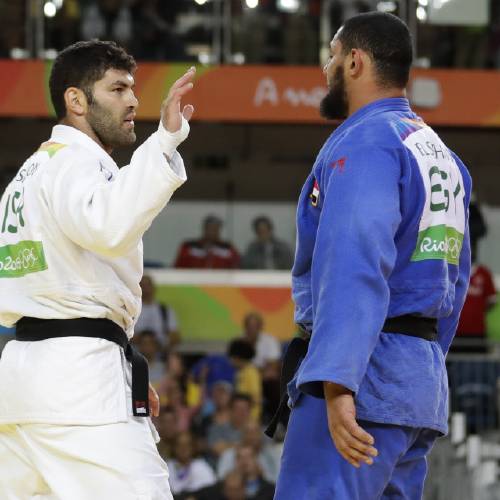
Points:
point(170, 141)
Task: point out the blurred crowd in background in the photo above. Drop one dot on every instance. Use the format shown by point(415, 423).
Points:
point(209, 251)
point(214, 406)
point(238, 31)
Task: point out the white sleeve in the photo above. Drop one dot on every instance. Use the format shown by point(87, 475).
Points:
point(203, 475)
point(273, 349)
point(110, 217)
point(173, 325)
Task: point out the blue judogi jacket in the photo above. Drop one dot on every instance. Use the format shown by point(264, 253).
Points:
point(382, 231)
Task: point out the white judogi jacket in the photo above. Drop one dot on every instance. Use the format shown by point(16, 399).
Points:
point(71, 227)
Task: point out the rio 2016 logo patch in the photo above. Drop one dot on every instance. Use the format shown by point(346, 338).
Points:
point(442, 225)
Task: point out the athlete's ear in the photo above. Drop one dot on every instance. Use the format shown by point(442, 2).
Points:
point(76, 101)
point(356, 62)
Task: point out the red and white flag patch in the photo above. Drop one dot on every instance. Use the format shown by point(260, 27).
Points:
point(315, 194)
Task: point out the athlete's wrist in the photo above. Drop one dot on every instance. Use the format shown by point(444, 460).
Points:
point(169, 141)
point(332, 390)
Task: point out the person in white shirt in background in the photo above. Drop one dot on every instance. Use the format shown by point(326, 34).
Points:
point(267, 348)
point(188, 473)
point(156, 316)
point(71, 255)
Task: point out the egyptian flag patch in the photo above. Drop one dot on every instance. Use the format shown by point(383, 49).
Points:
point(315, 194)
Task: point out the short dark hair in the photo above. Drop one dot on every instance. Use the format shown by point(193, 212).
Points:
point(253, 315)
point(386, 39)
point(262, 219)
point(81, 65)
point(212, 219)
point(240, 349)
point(239, 396)
point(145, 334)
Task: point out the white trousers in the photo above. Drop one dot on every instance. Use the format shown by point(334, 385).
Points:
point(75, 462)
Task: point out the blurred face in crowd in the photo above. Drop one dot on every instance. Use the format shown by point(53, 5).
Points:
point(240, 413)
point(175, 365)
point(184, 448)
point(148, 344)
point(148, 289)
point(211, 231)
point(246, 461)
point(234, 488)
point(111, 109)
point(221, 395)
point(263, 230)
point(253, 326)
point(174, 393)
point(167, 425)
point(335, 104)
point(252, 435)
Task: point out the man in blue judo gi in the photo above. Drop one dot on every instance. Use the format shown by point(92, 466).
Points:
point(380, 275)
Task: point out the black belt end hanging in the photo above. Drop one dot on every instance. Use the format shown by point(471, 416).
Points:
point(35, 329)
point(140, 382)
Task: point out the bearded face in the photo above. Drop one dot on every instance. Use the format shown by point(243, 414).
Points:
point(111, 125)
point(111, 109)
point(334, 105)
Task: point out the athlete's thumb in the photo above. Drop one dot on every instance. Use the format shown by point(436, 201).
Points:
point(188, 111)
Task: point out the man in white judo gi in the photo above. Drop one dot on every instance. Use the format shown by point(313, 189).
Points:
point(74, 398)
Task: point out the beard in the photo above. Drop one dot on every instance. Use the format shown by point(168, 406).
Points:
point(334, 105)
point(108, 128)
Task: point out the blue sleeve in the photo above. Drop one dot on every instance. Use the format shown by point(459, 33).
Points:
point(353, 258)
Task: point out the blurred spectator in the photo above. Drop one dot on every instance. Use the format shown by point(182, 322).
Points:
point(471, 44)
point(208, 252)
point(12, 24)
point(232, 488)
point(175, 367)
point(481, 297)
point(171, 394)
point(63, 29)
point(248, 379)
point(107, 20)
point(166, 424)
point(256, 487)
point(266, 251)
point(157, 317)
point(222, 436)
point(266, 458)
point(147, 343)
point(211, 369)
point(154, 34)
point(216, 408)
point(301, 40)
point(187, 473)
point(477, 226)
point(267, 348)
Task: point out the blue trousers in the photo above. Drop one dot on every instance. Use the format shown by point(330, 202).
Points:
point(312, 469)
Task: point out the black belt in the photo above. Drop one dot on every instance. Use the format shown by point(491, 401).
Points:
point(35, 329)
point(414, 326)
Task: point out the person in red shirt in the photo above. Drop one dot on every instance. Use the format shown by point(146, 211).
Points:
point(481, 297)
point(209, 252)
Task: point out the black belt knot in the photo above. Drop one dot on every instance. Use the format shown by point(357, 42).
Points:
point(35, 329)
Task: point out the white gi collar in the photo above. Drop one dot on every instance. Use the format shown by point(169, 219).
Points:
point(65, 134)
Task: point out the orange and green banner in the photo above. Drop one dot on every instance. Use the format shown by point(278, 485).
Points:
point(211, 305)
point(280, 94)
